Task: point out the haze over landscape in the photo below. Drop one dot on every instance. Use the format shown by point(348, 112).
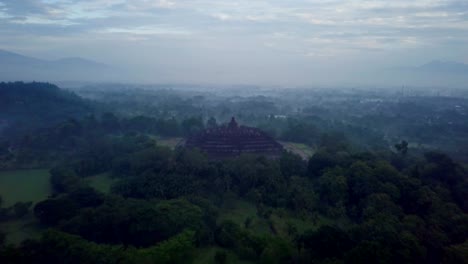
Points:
point(293, 43)
point(233, 132)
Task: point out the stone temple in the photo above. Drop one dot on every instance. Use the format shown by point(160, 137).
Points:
point(232, 140)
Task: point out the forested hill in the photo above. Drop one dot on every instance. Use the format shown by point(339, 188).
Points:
point(32, 105)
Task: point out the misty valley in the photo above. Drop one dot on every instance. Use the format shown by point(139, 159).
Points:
point(129, 173)
point(233, 132)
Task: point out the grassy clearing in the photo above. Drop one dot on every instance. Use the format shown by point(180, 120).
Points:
point(24, 186)
point(101, 182)
point(239, 210)
point(283, 222)
point(279, 223)
point(300, 149)
point(170, 142)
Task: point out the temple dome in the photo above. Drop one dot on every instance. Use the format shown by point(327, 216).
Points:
point(232, 140)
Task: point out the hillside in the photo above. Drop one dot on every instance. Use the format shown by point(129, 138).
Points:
point(15, 67)
point(25, 105)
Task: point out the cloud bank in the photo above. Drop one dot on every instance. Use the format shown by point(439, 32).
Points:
point(247, 41)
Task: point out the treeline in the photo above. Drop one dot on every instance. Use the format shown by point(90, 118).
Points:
point(93, 136)
point(60, 247)
point(389, 207)
point(88, 137)
point(312, 130)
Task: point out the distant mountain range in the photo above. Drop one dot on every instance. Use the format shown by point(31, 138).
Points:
point(17, 67)
point(432, 74)
point(436, 67)
point(14, 67)
point(451, 67)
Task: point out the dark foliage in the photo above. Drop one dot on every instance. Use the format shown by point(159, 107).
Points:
point(384, 206)
point(26, 106)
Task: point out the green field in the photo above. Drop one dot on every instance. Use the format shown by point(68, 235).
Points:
point(24, 186)
point(101, 182)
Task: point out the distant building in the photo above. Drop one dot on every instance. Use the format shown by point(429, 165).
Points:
point(232, 140)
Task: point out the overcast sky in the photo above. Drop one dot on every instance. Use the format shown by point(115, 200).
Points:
point(284, 42)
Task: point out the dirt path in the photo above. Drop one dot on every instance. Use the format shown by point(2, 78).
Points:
point(305, 152)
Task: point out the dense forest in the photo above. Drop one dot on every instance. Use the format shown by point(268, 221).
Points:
point(28, 106)
point(363, 195)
